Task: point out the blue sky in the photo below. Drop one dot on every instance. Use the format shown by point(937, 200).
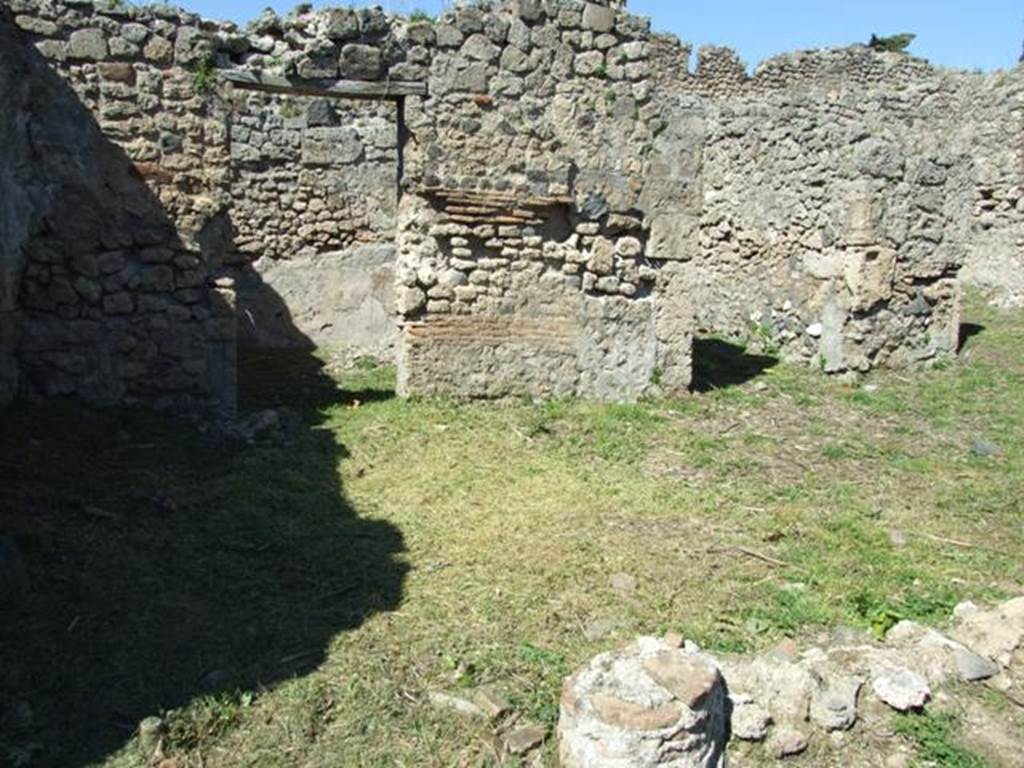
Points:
point(972, 34)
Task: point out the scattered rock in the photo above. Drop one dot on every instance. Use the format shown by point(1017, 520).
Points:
point(901, 689)
point(974, 668)
point(834, 703)
point(491, 703)
point(994, 634)
point(750, 721)
point(984, 449)
point(456, 704)
point(525, 739)
point(787, 742)
point(783, 687)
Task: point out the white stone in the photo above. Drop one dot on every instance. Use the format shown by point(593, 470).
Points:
point(902, 689)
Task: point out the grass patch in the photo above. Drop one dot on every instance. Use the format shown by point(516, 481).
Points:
point(934, 736)
point(301, 596)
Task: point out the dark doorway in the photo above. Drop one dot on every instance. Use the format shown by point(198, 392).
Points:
point(719, 364)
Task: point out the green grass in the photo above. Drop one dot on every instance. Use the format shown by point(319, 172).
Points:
point(934, 735)
point(295, 601)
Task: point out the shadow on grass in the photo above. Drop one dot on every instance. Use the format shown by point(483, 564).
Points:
point(167, 566)
point(967, 332)
point(718, 364)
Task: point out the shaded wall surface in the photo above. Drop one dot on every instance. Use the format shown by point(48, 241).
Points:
point(106, 273)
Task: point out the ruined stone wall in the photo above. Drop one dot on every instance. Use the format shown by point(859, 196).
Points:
point(829, 235)
point(565, 199)
point(972, 115)
point(533, 243)
point(989, 124)
point(783, 148)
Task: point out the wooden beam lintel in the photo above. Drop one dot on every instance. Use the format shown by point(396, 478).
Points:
point(337, 89)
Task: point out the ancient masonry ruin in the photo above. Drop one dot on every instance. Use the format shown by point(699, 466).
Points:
point(523, 197)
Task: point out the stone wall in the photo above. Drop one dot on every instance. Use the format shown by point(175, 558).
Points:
point(534, 240)
point(990, 123)
point(828, 234)
point(109, 258)
point(979, 117)
point(314, 205)
point(543, 193)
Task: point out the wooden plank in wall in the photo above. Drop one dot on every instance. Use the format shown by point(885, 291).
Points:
point(339, 89)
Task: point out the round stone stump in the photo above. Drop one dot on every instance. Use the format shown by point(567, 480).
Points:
point(647, 705)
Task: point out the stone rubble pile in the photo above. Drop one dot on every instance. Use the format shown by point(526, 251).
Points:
point(665, 703)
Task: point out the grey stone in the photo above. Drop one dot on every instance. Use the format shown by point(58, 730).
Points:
point(360, 62)
point(456, 704)
point(901, 689)
point(341, 24)
point(88, 44)
point(787, 742)
point(481, 48)
point(491, 703)
point(192, 46)
point(879, 158)
point(994, 634)
point(834, 702)
point(448, 36)
point(530, 10)
point(469, 19)
point(985, 449)
point(320, 113)
point(589, 63)
point(974, 668)
point(750, 722)
point(411, 300)
point(525, 739)
point(598, 18)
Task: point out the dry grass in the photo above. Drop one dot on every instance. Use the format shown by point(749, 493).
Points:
point(309, 594)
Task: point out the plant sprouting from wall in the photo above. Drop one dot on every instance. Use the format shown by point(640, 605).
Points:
point(893, 43)
point(204, 75)
point(290, 109)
